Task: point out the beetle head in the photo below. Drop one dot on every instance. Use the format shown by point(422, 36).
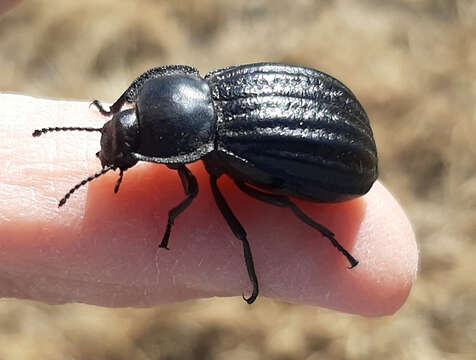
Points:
point(118, 140)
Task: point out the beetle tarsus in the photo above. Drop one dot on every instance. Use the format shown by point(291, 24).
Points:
point(190, 187)
point(240, 234)
point(283, 201)
point(251, 272)
point(119, 181)
point(325, 232)
point(162, 246)
point(100, 107)
point(165, 239)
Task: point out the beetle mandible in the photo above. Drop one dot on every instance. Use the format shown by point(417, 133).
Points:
point(277, 130)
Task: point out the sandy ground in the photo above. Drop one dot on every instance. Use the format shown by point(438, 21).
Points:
point(413, 66)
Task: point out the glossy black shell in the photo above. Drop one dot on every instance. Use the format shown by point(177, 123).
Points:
point(292, 130)
point(175, 115)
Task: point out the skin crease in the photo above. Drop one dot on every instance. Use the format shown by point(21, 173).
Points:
point(101, 248)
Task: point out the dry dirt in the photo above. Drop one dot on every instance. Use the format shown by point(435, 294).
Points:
point(412, 65)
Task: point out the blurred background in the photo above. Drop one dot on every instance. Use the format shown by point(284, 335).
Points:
point(412, 64)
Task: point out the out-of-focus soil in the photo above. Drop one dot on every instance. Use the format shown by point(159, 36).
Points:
point(413, 66)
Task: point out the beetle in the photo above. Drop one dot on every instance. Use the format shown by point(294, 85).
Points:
point(277, 130)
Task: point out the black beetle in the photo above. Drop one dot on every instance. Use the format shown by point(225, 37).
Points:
point(277, 130)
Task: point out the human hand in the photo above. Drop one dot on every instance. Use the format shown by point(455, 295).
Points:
point(102, 248)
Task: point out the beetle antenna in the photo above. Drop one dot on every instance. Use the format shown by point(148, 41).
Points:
point(84, 182)
point(116, 188)
point(39, 132)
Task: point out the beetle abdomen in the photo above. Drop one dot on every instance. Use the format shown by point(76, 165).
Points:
point(297, 130)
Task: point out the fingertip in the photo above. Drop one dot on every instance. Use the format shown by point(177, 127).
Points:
point(388, 254)
point(376, 231)
point(394, 249)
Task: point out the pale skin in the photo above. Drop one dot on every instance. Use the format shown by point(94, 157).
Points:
point(102, 248)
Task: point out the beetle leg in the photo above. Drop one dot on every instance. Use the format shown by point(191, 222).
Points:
point(240, 233)
point(190, 187)
point(283, 201)
point(113, 109)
